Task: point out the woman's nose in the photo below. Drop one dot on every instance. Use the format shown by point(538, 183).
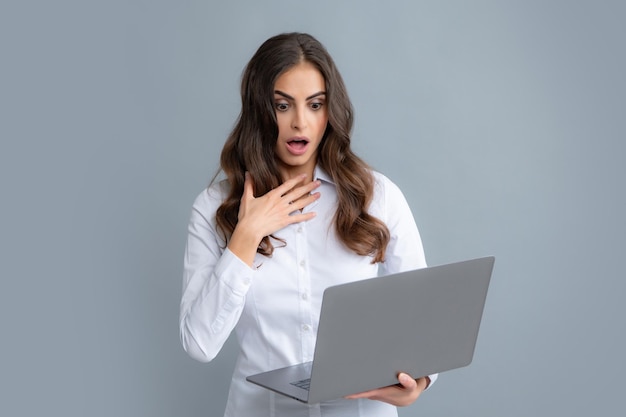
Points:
point(299, 120)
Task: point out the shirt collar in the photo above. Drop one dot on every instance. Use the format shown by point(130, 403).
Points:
point(320, 174)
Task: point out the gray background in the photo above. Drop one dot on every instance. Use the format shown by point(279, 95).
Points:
point(502, 121)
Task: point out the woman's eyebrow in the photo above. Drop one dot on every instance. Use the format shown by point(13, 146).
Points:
point(287, 96)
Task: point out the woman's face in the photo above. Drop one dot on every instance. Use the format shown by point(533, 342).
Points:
point(302, 116)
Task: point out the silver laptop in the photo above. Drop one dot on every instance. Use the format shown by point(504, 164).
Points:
point(420, 322)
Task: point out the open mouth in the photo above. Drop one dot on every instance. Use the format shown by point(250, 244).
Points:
point(297, 145)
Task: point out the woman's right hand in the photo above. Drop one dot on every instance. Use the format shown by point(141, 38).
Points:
point(261, 216)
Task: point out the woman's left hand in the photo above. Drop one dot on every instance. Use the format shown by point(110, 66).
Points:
point(402, 394)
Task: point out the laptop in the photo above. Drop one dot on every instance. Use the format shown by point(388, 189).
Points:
point(421, 322)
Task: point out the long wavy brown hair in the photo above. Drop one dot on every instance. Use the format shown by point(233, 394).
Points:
point(251, 146)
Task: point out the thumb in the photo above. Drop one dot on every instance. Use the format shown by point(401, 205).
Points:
point(248, 185)
point(407, 381)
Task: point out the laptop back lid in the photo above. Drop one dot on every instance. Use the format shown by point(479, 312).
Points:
point(420, 322)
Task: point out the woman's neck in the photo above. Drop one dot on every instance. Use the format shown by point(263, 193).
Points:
point(287, 174)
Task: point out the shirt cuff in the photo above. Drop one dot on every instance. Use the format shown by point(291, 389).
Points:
point(431, 380)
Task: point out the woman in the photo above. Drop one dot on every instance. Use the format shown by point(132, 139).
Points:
point(297, 212)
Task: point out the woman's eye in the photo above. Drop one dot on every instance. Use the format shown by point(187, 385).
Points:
point(282, 106)
point(316, 106)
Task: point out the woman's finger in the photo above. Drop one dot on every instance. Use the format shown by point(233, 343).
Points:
point(297, 193)
point(289, 185)
point(407, 381)
point(248, 185)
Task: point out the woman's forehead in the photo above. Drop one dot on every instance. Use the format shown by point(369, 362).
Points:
point(302, 79)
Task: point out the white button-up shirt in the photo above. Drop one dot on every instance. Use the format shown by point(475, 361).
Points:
point(274, 307)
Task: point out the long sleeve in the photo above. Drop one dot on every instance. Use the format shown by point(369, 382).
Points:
point(215, 283)
point(404, 251)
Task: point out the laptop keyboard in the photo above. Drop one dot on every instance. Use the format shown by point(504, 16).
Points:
point(304, 383)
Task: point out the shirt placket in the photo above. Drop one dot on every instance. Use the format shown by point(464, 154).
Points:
point(307, 338)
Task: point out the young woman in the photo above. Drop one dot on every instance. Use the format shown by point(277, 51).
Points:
point(297, 212)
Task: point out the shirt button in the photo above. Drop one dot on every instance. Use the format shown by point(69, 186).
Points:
point(299, 229)
point(306, 327)
point(302, 263)
point(246, 281)
point(305, 296)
